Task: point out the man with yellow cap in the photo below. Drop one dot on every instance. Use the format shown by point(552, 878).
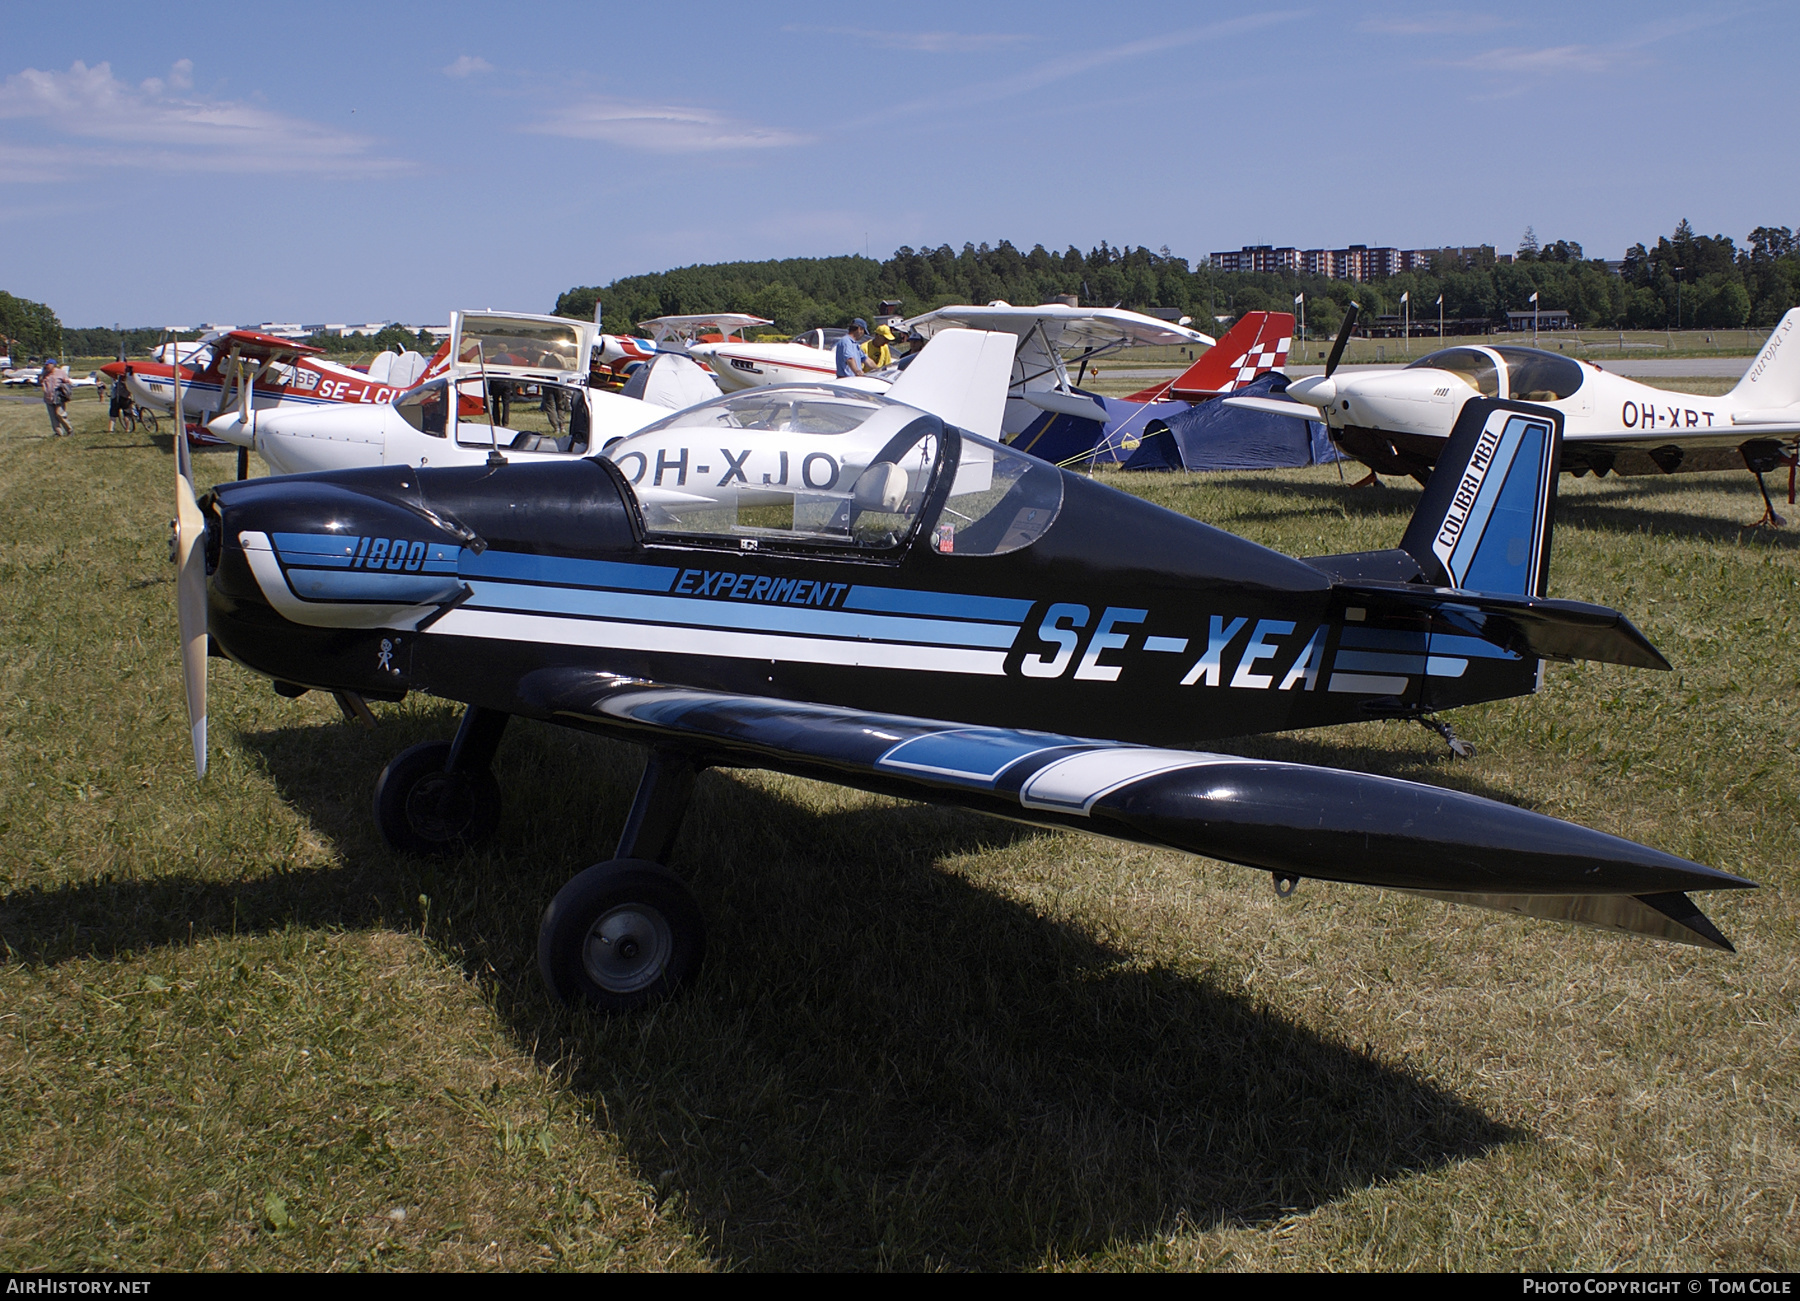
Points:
point(878, 347)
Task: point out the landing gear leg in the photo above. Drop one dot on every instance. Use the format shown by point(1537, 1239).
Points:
point(439, 797)
point(628, 931)
point(1769, 518)
point(1458, 747)
point(1369, 480)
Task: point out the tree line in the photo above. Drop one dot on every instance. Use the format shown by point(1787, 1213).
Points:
point(1684, 281)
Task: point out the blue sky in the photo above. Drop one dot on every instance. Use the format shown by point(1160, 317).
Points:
point(340, 162)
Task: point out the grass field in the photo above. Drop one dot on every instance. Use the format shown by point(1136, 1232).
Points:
point(235, 1032)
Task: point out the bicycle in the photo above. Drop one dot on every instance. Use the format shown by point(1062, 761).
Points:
point(134, 417)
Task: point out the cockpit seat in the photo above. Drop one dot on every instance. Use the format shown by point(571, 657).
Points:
point(881, 487)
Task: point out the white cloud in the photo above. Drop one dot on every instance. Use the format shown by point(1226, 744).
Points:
point(156, 124)
point(923, 42)
point(1074, 65)
point(1549, 60)
point(1437, 23)
point(664, 128)
point(468, 65)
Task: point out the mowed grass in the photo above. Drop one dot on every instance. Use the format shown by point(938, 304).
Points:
point(236, 1032)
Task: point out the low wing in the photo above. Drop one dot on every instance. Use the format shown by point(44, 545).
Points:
point(1286, 818)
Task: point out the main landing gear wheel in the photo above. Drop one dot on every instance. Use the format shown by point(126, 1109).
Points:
point(421, 809)
point(620, 935)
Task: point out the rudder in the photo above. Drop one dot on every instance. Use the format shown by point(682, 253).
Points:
point(1485, 519)
point(1773, 379)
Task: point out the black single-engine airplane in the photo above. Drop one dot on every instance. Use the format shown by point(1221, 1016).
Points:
point(828, 583)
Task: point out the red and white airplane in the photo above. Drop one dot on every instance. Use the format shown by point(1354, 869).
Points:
point(1256, 345)
point(258, 371)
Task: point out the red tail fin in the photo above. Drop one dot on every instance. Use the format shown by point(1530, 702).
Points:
point(1257, 343)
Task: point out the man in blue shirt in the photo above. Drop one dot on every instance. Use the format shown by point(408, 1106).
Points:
point(849, 350)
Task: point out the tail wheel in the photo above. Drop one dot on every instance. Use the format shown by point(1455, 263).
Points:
point(421, 809)
point(620, 935)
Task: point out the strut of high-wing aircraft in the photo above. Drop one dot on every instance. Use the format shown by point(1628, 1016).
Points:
point(718, 549)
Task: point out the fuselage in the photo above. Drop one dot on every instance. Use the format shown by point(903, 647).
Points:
point(739, 365)
point(907, 568)
point(418, 428)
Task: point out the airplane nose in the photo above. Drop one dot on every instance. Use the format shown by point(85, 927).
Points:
point(1316, 391)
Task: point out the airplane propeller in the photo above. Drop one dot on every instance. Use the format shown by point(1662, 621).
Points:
point(1321, 390)
point(190, 585)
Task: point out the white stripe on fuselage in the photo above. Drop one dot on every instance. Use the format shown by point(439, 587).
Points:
point(727, 644)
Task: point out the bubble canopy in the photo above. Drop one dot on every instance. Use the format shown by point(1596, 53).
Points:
point(826, 467)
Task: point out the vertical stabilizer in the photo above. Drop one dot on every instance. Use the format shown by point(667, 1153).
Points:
point(1257, 344)
point(961, 378)
point(1485, 519)
point(1773, 379)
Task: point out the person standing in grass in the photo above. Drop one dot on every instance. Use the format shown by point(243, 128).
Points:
point(121, 401)
point(54, 381)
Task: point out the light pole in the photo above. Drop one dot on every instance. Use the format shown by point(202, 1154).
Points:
point(1678, 271)
point(1440, 307)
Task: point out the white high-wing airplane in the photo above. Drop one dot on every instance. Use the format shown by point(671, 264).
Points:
point(1040, 378)
point(1397, 421)
point(741, 363)
point(500, 365)
point(1040, 372)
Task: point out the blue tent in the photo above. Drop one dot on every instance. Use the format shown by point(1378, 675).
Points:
point(1182, 436)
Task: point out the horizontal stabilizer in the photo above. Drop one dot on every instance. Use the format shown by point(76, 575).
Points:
point(1274, 407)
point(1532, 625)
point(1066, 404)
point(1770, 419)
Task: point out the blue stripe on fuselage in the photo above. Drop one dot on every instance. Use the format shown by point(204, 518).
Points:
point(559, 571)
point(948, 605)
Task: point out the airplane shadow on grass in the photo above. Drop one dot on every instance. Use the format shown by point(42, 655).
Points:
point(883, 1062)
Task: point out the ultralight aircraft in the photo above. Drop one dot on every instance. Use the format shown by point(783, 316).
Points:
point(840, 585)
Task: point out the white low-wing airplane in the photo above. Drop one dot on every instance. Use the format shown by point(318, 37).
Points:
point(1044, 334)
point(1397, 421)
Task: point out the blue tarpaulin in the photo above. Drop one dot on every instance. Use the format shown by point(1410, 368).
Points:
point(1182, 436)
